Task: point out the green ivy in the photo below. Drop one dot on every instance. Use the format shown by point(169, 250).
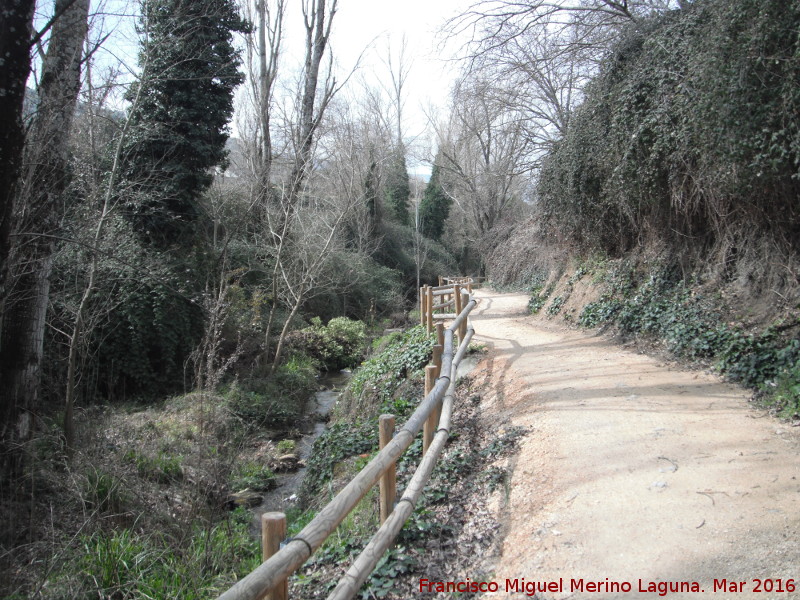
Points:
point(689, 132)
point(382, 374)
point(665, 307)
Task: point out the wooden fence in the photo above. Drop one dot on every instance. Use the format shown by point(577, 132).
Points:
point(444, 301)
point(269, 580)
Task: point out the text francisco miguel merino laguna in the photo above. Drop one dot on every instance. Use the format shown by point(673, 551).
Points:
point(661, 588)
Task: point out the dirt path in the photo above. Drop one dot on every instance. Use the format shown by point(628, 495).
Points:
point(632, 470)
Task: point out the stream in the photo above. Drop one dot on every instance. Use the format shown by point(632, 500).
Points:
point(315, 422)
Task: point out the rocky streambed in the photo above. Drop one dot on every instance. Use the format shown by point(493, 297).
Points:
point(291, 467)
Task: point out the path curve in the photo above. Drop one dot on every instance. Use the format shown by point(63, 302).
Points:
point(632, 469)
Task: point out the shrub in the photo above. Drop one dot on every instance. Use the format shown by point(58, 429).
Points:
point(556, 305)
point(125, 563)
point(161, 468)
point(383, 373)
point(786, 394)
point(276, 401)
point(104, 492)
point(539, 297)
point(335, 346)
point(688, 135)
point(252, 475)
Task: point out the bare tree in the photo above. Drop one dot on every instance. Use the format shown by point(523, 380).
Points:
point(493, 23)
point(543, 52)
point(399, 68)
point(354, 153)
point(318, 18)
point(36, 217)
point(263, 61)
point(486, 153)
point(306, 270)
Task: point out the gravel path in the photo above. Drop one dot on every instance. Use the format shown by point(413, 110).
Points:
point(633, 472)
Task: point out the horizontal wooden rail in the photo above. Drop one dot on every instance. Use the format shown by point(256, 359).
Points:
point(445, 316)
point(444, 304)
point(278, 567)
point(444, 291)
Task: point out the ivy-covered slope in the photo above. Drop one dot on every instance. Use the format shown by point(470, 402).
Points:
point(690, 138)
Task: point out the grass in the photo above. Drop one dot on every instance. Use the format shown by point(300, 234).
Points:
point(126, 564)
point(140, 509)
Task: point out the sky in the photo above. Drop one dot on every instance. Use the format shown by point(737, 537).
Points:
point(364, 29)
point(361, 29)
point(375, 24)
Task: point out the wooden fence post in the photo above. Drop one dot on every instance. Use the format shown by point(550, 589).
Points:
point(273, 531)
point(440, 335)
point(422, 297)
point(388, 482)
point(429, 428)
point(462, 329)
point(429, 308)
point(458, 309)
point(436, 361)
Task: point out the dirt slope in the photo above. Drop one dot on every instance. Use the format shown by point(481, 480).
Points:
point(632, 470)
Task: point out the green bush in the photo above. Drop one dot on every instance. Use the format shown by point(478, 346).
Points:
point(556, 305)
point(124, 563)
point(276, 401)
point(161, 468)
point(335, 346)
point(539, 297)
point(381, 375)
point(600, 311)
point(786, 394)
point(104, 492)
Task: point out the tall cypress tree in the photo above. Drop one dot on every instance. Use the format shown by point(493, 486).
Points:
point(190, 69)
point(434, 206)
point(397, 188)
point(371, 190)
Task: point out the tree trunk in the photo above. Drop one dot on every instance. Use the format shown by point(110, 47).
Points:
point(16, 20)
point(285, 330)
point(318, 30)
point(270, 35)
point(36, 219)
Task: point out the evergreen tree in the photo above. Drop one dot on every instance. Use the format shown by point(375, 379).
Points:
point(189, 73)
point(397, 188)
point(371, 190)
point(434, 207)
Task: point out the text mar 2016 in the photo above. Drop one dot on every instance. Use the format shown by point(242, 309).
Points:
point(605, 586)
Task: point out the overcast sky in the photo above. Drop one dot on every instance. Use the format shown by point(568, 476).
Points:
point(364, 28)
point(360, 28)
point(360, 23)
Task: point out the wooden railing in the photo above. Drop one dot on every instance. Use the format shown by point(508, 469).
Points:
point(269, 580)
point(449, 294)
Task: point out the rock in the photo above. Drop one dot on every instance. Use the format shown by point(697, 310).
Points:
point(287, 462)
point(246, 497)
